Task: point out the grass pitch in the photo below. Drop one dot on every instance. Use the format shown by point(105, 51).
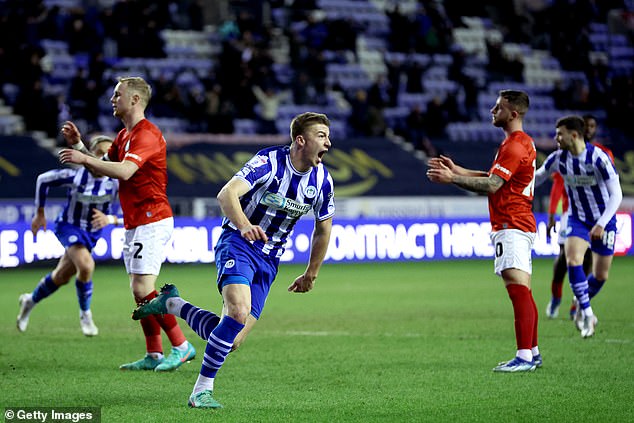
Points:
point(380, 342)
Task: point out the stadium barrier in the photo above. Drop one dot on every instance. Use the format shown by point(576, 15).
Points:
point(352, 240)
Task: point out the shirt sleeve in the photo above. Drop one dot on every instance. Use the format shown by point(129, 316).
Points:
point(256, 169)
point(52, 178)
point(324, 207)
point(143, 145)
point(507, 160)
point(616, 196)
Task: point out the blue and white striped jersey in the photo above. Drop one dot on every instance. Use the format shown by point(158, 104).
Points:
point(585, 179)
point(280, 195)
point(85, 192)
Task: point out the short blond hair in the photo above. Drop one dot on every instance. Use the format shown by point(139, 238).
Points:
point(139, 86)
point(98, 139)
point(301, 122)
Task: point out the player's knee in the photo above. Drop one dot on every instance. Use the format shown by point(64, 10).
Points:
point(601, 275)
point(61, 277)
point(85, 273)
point(239, 311)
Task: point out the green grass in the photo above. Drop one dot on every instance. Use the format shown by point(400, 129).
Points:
point(388, 342)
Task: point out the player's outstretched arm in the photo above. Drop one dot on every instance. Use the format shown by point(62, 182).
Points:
point(319, 246)
point(39, 221)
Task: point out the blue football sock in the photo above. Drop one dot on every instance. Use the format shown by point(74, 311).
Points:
point(594, 286)
point(579, 285)
point(201, 321)
point(219, 345)
point(43, 289)
point(84, 294)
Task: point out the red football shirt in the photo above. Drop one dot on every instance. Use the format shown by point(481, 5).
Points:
point(511, 207)
point(143, 197)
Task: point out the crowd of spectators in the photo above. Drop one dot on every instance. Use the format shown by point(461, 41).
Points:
point(244, 84)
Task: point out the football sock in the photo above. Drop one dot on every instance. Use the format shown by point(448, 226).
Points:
point(201, 321)
point(151, 328)
point(526, 355)
point(524, 314)
point(44, 288)
point(182, 347)
point(536, 321)
point(579, 284)
point(556, 289)
point(559, 271)
point(169, 324)
point(219, 345)
point(174, 305)
point(155, 355)
point(84, 294)
point(535, 350)
point(203, 383)
point(594, 286)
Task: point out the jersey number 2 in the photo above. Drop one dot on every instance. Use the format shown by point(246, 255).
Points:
point(137, 252)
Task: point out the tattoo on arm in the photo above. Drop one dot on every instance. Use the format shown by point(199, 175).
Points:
point(479, 184)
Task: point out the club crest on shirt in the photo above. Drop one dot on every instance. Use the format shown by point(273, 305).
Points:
point(230, 263)
point(126, 147)
point(310, 192)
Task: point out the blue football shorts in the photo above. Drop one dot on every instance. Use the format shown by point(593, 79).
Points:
point(603, 246)
point(70, 235)
point(235, 256)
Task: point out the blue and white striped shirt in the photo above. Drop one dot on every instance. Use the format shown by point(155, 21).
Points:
point(585, 177)
point(280, 195)
point(85, 192)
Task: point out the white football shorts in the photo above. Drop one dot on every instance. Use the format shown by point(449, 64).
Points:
point(513, 250)
point(144, 247)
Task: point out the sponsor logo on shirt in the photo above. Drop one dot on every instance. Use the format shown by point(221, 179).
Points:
point(99, 199)
point(501, 168)
point(279, 202)
point(134, 156)
point(257, 161)
point(580, 180)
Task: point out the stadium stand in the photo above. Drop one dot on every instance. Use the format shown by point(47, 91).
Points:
point(202, 64)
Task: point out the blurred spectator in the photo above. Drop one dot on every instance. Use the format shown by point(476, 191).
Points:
point(304, 91)
point(359, 118)
point(378, 99)
point(39, 109)
point(436, 118)
point(269, 102)
point(414, 72)
point(415, 132)
point(399, 36)
point(220, 112)
point(561, 94)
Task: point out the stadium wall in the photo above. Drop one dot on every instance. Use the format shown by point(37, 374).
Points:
point(352, 240)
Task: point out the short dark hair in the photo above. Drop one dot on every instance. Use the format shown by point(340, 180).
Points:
point(572, 123)
point(518, 99)
point(304, 120)
point(587, 117)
